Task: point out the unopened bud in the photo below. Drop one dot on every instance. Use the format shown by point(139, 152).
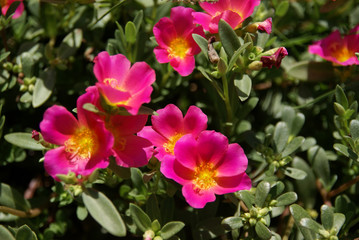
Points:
point(35, 135)
point(8, 66)
point(252, 221)
point(255, 66)
point(148, 235)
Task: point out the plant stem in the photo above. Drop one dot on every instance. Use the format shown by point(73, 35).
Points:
point(343, 187)
point(23, 214)
point(227, 103)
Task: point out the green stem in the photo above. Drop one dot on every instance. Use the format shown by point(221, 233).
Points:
point(227, 103)
point(23, 214)
point(321, 97)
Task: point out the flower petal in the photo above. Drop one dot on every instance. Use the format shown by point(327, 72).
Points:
point(126, 125)
point(186, 151)
point(203, 19)
point(58, 125)
point(195, 121)
point(232, 184)
point(140, 76)
point(182, 16)
point(107, 66)
point(164, 32)
point(214, 7)
point(197, 198)
point(113, 95)
point(134, 154)
point(161, 55)
point(234, 162)
point(169, 121)
point(183, 66)
point(174, 170)
point(212, 146)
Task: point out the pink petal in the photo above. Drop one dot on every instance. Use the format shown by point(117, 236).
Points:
point(197, 198)
point(169, 121)
point(134, 154)
point(186, 151)
point(245, 7)
point(127, 125)
point(232, 18)
point(58, 125)
point(203, 19)
point(212, 146)
point(232, 184)
point(172, 169)
point(266, 25)
point(161, 55)
point(135, 102)
point(194, 48)
point(183, 66)
point(140, 76)
point(214, 7)
point(156, 139)
point(113, 95)
point(107, 66)
point(234, 162)
point(182, 17)
point(83, 115)
point(164, 32)
point(195, 121)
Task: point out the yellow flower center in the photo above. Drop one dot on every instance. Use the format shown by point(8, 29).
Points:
point(340, 52)
point(112, 82)
point(204, 176)
point(170, 145)
point(120, 142)
point(178, 48)
point(82, 144)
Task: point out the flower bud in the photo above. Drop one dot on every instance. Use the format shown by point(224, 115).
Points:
point(35, 135)
point(148, 235)
point(255, 66)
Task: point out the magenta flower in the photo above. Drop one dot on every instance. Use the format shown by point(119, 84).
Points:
point(84, 144)
point(170, 125)
point(122, 85)
point(275, 59)
point(234, 12)
point(129, 150)
point(338, 49)
point(5, 4)
point(175, 41)
point(265, 26)
point(207, 166)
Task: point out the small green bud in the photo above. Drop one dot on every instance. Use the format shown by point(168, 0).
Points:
point(70, 178)
point(273, 202)
point(23, 88)
point(158, 238)
point(27, 81)
point(77, 190)
point(254, 212)
point(252, 221)
point(155, 225)
point(339, 109)
point(262, 220)
point(252, 56)
point(255, 66)
point(333, 238)
point(8, 66)
point(324, 233)
point(16, 69)
point(148, 235)
point(31, 88)
point(263, 212)
point(247, 215)
point(222, 67)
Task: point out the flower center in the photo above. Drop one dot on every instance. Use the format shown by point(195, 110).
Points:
point(204, 176)
point(112, 82)
point(3, 3)
point(340, 52)
point(170, 145)
point(178, 48)
point(82, 144)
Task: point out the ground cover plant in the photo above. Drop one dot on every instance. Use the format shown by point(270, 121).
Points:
point(154, 119)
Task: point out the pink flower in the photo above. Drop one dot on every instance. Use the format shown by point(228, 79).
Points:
point(234, 12)
point(170, 125)
point(338, 49)
point(5, 4)
point(122, 85)
point(207, 166)
point(265, 26)
point(129, 150)
point(84, 144)
point(175, 41)
point(275, 59)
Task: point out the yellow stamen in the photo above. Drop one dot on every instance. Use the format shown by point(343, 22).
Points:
point(82, 144)
point(3, 3)
point(204, 176)
point(340, 52)
point(170, 145)
point(178, 48)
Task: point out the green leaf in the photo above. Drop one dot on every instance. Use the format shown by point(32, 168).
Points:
point(10, 197)
point(293, 146)
point(231, 223)
point(312, 225)
point(130, 32)
point(354, 129)
point(140, 218)
point(320, 164)
point(5, 234)
point(262, 191)
point(4, 55)
point(262, 231)
point(202, 43)
point(280, 136)
point(81, 212)
point(25, 233)
point(152, 208)
point(229, 39)
point(90, 107)
point(338, 221)
point(138, 20)
point(70, 44)
point(243, 87)
point(286, 199)
point(12, 8)
point(27, 63)
point(295, 173)
point(236, 55)
point(282, 8)
point(327, 216)
point(342, 149)
point(299, 213)
point(104, 212)
point(341, 97)
point(43, 87)
point(24, 140)
point(247, 198)
point(137, 180)
point(171, 229)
